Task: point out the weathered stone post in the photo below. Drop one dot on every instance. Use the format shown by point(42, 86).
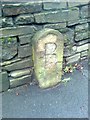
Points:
point(48, 57)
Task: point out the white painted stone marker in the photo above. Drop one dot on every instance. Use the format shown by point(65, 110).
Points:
point(47, 48)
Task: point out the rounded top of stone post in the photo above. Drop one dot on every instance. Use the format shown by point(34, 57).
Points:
point(44, 32)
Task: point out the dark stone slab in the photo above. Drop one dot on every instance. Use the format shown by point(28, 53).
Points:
point(76, 3)
point(24, 19)
point(4, 81)
point(24, 51)
point(68, 35)
point(84, 12)
point(50, 17)
point(16, 9)
point(81, 42)
point(7, 22)
point(19, 65)
point(54, 5)
point(82, 47)
point(81, 35)
point(9, 48)
point(25, 39)
point(57, 16)
point(15, 82)
point(69, 50)
point(73, 14)
point(56, 26)
point(81, 27)
point(20, 73)
point(14, 31)
point(84, 53)
point(73, 58)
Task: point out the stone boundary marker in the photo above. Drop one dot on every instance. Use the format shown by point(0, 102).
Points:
point(48, 47)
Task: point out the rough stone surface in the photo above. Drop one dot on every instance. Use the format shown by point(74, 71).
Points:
point(19, 73)
point(68, 35)
point(84, 53)
point(82, 35)
point(82, 42)
point(7, 22)
point(16, 9)
point(9, 48)
point(73, 14)
point(19, 65)
point(22, 30)
point(73, 58)
point(8, 62)
point(82, 47)
point(81, 27)
point(57, 16)
point(15, 82)
point(72, 22)
point(48, 57)
point(25, 39)
point(24, 51)
point(4, 82)
point(69, 50)
point(77, 3)
point(50, 17)
point(56, 26)
point(84, 12)
point(24, 19)
point(54, 5)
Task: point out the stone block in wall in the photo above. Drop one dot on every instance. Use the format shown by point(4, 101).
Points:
point(81, 35)
point(79, 28)
point(4, 81)
point(20, 73)
point(7, 22)
point(24, 19)
point(57, 16)
point(73, 22)
point(14, 31)
point(56, 25)
point(50, 17)
point(24, 51)
point(73, 58)
point(68, 35)
point(82, 42)
point(73, 14)
point(84, 13)
point(25, 39)
point(26, 63)
point(82, 47)
point(74, 3)
point(78, 21)
point(8, 62)
point(84, 53)
point(9, 48)
point(15, 82)
point(69, 50)
point(54, 5)
point(16, 9)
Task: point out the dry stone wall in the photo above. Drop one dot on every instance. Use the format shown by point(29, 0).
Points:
point(20, 21)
